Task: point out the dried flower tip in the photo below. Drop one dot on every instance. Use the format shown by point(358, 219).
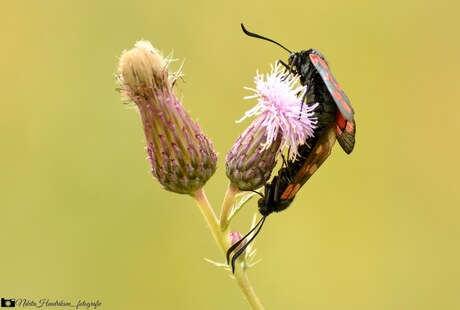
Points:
point(142, 70)
point(181, 156)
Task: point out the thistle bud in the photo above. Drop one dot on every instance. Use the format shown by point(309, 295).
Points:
point(181, 156)
point(250, 161)
point(281, 121)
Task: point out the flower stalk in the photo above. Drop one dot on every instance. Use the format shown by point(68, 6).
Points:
point(222, 238)
point(227, 208)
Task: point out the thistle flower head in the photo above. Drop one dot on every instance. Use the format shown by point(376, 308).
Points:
point(280, 121)
point(181, 156)
point(279, 108)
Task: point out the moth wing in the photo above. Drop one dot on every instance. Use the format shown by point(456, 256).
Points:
point(336, 91)
point(317, 156)
point(346, 131)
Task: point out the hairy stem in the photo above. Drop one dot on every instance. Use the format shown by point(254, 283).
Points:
point(222, 239)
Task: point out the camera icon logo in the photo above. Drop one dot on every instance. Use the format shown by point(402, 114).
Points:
point(7, 303)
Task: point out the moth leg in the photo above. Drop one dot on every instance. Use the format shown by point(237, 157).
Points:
point(288, 68)
point(285, 164)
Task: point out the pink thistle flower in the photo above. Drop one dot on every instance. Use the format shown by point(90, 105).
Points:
point(278, 108)
point(279, 123)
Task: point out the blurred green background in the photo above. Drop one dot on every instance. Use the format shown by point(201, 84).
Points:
point(82, 219)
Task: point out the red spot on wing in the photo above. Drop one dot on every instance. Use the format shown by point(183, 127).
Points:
point(337, 95)
point(338, 85)
point(341, 122)
point(333, 81)
point(343, 125)
point(346, 105)
point(314, 58)
point(317, 59)
point(323, 63)
point(350, 127)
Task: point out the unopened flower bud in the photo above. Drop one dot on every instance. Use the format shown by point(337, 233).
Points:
point(181, 156)
point(249, 163)
point(236, 236)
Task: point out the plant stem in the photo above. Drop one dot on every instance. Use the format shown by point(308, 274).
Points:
point(211, 219)
point(221, 237)
point(227, 207)
point(247, 289)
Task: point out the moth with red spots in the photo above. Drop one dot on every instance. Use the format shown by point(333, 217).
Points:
point(335, 122)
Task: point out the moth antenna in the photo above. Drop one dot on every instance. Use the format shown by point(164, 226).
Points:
point(260, 194)
point(240, 251)
point(255, 35)
point(236, 244)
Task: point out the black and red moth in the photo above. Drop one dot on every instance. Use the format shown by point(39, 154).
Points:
point(335, 122)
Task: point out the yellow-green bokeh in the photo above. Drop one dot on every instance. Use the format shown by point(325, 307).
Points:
point(82, 219)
